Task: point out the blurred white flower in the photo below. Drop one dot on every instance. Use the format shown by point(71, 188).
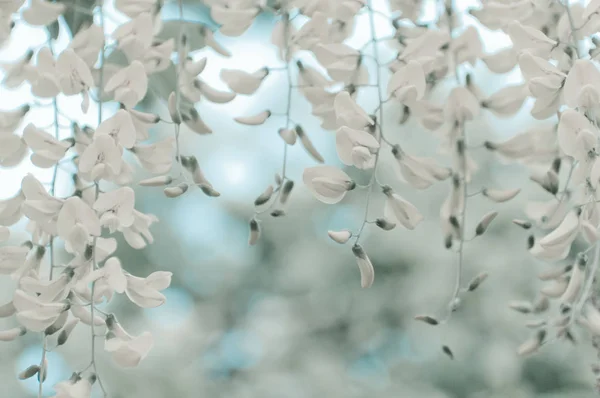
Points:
point(129, 84)
point(327, 183)
point(356, 147)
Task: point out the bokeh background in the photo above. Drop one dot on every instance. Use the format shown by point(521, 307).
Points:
point(287, 318)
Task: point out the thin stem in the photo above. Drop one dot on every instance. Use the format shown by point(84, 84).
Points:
point(289, 97)
point(380, 121)
point(179, 68)
point(461, 148)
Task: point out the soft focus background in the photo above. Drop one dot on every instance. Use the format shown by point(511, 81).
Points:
point(288, 318)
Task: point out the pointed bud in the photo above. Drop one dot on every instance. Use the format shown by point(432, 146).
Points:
point(448, 351)
point(478, 280)
point(485, 223)
point(264, 197)
point(254, 232)
point(522, 223)
point(524, 307)
point(208, 190)
point(29, 372)
point(66, 332)
point(308, 145)
point(285, 191)
point(384, 224)
point(548, 181)
point(11, 334)
point(277, 213)
point(532, 344)
point(427, 319)
point(172, 105)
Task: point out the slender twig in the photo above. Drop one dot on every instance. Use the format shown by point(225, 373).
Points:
point(379, 109)
point(179, 70)
point(461, 147)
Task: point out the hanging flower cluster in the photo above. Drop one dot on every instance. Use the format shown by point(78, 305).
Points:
point(548, 42)
point(425, 69)
point(53, 298)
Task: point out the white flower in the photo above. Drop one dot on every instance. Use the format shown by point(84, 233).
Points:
point(133, 8)
point(243, 82)
point(367, 273)
point(582, 86)
point(47, 150)
point(545, 83)
point(235, 18)
point(142, 122)
point(417, 171)
point(116, 208)
point(74, 76)
point(157, 158)
point(343, 63)
point(39, 205)
point(400, 210)
point(571, 126)
point(108, 279)
point(12, 258)
point(349, 114)
point(557, 244)
point(534, 145)
point(76, 387)
point(138, 233)
point(76, 216)
point(88, 43)
point(44, 75)
point(158, 56)
point(467, 47)
point(356, 147)
point(145, 292)
point(529, 38)
point(407, 84)
point(42, 13)
point(135, 37)
point(461, 105)
point(10, 209)
point(327, 183)
point(502, 61)
point(10, 120)
point(16, 73)
point(101, 159)
point(12, 150)
point(35, 314)
point(506, 101)
point(129, 84)
point(120, 127)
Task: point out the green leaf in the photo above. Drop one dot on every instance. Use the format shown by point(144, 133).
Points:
point(73, 15)
point(192, 31)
